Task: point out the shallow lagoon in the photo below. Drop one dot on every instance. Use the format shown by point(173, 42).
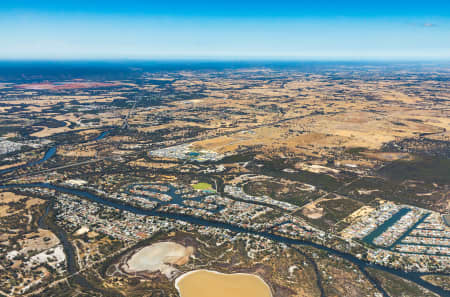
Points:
point(205, 283)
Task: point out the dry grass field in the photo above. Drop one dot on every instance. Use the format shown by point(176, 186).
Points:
point(333, 142)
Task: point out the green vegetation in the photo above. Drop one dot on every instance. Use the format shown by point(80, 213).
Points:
point(432, 170)
point(279, 191)
point(275, 169)
point(397, 191)
point(334, 211)
point(202, 186)
point(355, 150)
point(396, 286)
point(237, 158)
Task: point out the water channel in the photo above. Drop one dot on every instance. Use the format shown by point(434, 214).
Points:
point(362, 265)
point(48, 154)
point(411, 276)
point(176, 197)
point(386, 225)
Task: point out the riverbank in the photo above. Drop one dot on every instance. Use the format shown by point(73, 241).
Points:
point(209, 283)
point(411, 276)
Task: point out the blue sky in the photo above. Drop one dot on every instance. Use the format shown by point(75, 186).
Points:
point(317, 30)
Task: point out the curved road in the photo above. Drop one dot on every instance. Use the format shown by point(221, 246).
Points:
point(411, 276)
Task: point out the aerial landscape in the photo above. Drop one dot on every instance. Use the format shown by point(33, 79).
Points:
point(223, 177)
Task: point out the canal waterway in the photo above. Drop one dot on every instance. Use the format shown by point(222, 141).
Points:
point(420, 221)
point(176, 197)
point(383, 227)
point(411, 276)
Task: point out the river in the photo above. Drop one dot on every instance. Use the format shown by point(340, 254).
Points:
point(411, 276)
point(69, 250)
point(102, 135)
point(48, 154)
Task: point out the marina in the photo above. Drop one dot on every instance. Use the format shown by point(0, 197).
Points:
point(411, 276)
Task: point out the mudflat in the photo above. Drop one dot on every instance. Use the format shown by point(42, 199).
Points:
point(153, 257)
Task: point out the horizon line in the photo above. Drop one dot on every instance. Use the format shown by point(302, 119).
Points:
point(233, 59)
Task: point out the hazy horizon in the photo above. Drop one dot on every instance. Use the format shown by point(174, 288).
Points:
point(243, 30)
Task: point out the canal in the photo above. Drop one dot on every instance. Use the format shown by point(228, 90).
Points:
point(411, 276)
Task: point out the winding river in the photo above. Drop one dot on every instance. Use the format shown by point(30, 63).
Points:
point(48, 154)
point(362, 265)
point(69, 250)
point(411, 276)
